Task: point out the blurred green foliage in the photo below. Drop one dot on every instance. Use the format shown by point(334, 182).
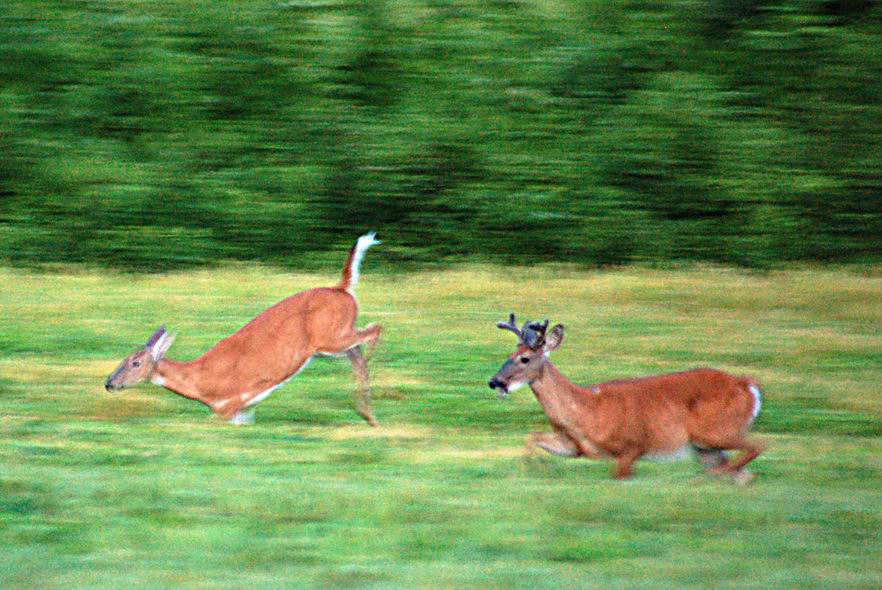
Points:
point(151, 135)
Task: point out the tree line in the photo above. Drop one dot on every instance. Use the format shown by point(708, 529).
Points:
point(152, 136)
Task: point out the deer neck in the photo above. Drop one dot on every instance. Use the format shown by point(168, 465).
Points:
point(179, 378)
point(558, 396)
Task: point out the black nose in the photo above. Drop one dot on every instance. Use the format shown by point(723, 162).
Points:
point(494, 383)
point(108, 387)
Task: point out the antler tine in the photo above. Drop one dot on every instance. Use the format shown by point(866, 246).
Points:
point(539, 327)
point(511, 326)
point(534, 334)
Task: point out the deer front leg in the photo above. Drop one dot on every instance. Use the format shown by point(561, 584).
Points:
point(363, 392)
point(243, 417)
point(557, 444)
point(625, 462)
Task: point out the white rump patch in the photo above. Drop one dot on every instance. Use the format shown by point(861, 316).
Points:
point(361, 246)
point(757, 400)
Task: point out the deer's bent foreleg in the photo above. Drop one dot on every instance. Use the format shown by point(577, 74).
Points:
point(557, 444)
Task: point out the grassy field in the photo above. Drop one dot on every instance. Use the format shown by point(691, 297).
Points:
point(146, 489)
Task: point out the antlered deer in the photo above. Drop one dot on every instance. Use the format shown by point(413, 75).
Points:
point(709, 410)
point(245, 368)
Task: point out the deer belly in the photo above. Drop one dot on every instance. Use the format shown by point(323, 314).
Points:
point(669, 442)
point(677, 454)
point(263, 395)
point(250, 403)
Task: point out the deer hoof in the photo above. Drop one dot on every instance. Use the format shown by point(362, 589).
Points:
point(743, 477)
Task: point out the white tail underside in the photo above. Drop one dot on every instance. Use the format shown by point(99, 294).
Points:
point(364, 242)
point(758, 399)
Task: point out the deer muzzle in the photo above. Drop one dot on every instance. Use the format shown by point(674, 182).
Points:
point(111, 385)
point(500, 387)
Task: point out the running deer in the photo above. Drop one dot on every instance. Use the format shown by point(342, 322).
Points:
point(245, 368)
point(705, 409)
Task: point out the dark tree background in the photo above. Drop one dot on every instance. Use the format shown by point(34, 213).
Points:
point(154, 135)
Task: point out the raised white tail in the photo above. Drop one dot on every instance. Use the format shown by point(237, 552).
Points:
point(353, 264)
point(243, 369)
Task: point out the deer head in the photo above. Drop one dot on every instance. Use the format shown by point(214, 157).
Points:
point(525, 364)
point(138, 366)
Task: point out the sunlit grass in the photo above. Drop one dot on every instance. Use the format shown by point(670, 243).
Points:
point(146, 489)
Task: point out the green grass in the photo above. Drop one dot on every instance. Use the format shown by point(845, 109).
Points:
point(146, 489)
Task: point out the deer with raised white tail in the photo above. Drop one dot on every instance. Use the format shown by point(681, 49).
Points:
point(706, 410)
point(245, 368)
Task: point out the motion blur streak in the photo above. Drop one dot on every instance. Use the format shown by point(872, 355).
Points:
point(153, 135)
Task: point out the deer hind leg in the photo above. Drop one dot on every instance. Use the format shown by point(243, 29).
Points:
point(368, 336)
point(363, 393)
point(557, 444)
point(750, 450)
point(373, 337)
point(735, 468)
point(711, 459)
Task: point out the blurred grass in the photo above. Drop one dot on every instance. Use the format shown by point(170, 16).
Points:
point(145, 489)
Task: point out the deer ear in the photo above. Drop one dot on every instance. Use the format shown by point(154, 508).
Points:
point(154, 338)
point(158, 350)
point(553, 340)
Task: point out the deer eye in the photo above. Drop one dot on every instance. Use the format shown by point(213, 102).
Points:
point(525, 360)
point(136, 363)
